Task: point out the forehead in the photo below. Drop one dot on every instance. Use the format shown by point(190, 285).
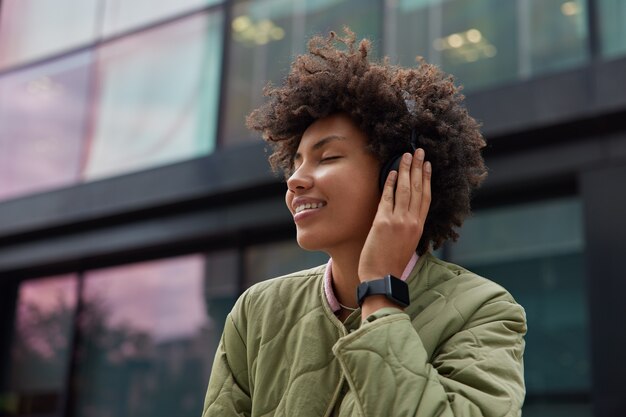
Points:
point(337, 126)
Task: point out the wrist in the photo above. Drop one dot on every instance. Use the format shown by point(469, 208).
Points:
point(373, 275)
point(374, 303)
point(386, 291)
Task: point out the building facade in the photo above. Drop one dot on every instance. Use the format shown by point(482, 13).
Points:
point(135, 207)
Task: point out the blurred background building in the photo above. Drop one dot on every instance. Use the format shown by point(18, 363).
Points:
point(135, 207)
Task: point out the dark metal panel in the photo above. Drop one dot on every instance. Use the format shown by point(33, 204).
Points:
point(224, 72)
point(593, 34)
point(543, 163)
point(538, 172)
point(202, 227)
point(609, 86)
point(582, 93)
point(8, 302)
point(605, 228)
point(235, 170)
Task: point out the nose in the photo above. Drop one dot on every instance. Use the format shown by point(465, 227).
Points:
point(300, 180)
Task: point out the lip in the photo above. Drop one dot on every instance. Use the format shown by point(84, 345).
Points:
point(298, 201)
point(298, 217)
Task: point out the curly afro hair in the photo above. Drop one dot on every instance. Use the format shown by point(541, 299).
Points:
point(387, 102)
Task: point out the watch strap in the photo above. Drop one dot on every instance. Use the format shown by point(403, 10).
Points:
point(391, 287)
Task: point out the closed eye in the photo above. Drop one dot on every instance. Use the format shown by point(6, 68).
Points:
point(330, 158)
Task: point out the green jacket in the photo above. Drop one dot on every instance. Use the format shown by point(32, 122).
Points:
point(455, 351)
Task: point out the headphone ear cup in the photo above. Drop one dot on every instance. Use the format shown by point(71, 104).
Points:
point(392, 164)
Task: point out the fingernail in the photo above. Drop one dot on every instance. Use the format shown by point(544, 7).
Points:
point(420, 154)
point(427, 167)
point(407, 157)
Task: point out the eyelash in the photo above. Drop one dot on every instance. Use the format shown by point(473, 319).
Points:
point(290, 172)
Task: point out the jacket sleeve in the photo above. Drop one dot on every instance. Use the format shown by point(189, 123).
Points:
point(476, 372)
point(228, 394)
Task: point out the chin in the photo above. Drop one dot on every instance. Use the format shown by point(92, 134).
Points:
point(310, 243)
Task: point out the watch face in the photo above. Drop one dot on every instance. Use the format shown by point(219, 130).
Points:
point(398, 291)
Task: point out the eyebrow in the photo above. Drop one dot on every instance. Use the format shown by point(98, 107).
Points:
point(320, 144)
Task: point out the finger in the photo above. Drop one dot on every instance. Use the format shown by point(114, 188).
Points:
point(386, 200)
point(426, 194)
point(417, 179)
point(403, 188)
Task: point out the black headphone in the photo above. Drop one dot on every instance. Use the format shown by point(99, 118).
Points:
point(393, 164)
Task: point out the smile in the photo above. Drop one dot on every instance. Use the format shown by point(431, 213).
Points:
point(309, 206)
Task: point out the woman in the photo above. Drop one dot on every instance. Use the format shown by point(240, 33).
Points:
point(385, 328)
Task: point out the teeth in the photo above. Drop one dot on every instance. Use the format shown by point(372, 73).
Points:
point(308, 206)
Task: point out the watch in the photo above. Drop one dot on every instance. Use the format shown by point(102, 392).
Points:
point(391, 287)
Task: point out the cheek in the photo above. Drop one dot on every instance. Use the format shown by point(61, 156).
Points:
point(288, 199)
point(362, 199)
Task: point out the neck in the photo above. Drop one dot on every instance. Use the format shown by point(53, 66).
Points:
point(345, 275)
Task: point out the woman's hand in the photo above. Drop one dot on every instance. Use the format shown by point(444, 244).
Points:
point(399, 221)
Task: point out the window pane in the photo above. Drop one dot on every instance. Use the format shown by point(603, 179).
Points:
point(221, 288)
point(148, 337)
point(158, 97)
point(121, 15)
point(268, 34)
point(42, 122)
point(557, 36)
point(612, 28)
point(32, 29)
point(275, 259)
point(41, 347)
point(488, 42)
point(536, 252)
point(474, 40)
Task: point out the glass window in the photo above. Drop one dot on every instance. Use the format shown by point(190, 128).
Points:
point(32, 29)
point(272, 260)
point(42, 124)
point(221, 289)
point(267, 34)
point(121, 16)
point(487, 42)
point(556, 37)
point(536, 251)
point(474, 40)
point(148, 337)
point(612, 15)
point(41, 347)
point(157, 97)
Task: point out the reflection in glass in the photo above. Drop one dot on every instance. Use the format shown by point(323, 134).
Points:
point(147, 343)
point(221, 288)
point(158, 97)
point(612, 14)
point(41, 346)
point(488, 42)
point(42, 122)
point(267, 34)
point(271, 260)
point(474, 40)
point(121, 16)
point(536, 252)
point(33, 29)
point(557, 36)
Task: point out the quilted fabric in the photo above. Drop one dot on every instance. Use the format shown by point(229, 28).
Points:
point(455, 351)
